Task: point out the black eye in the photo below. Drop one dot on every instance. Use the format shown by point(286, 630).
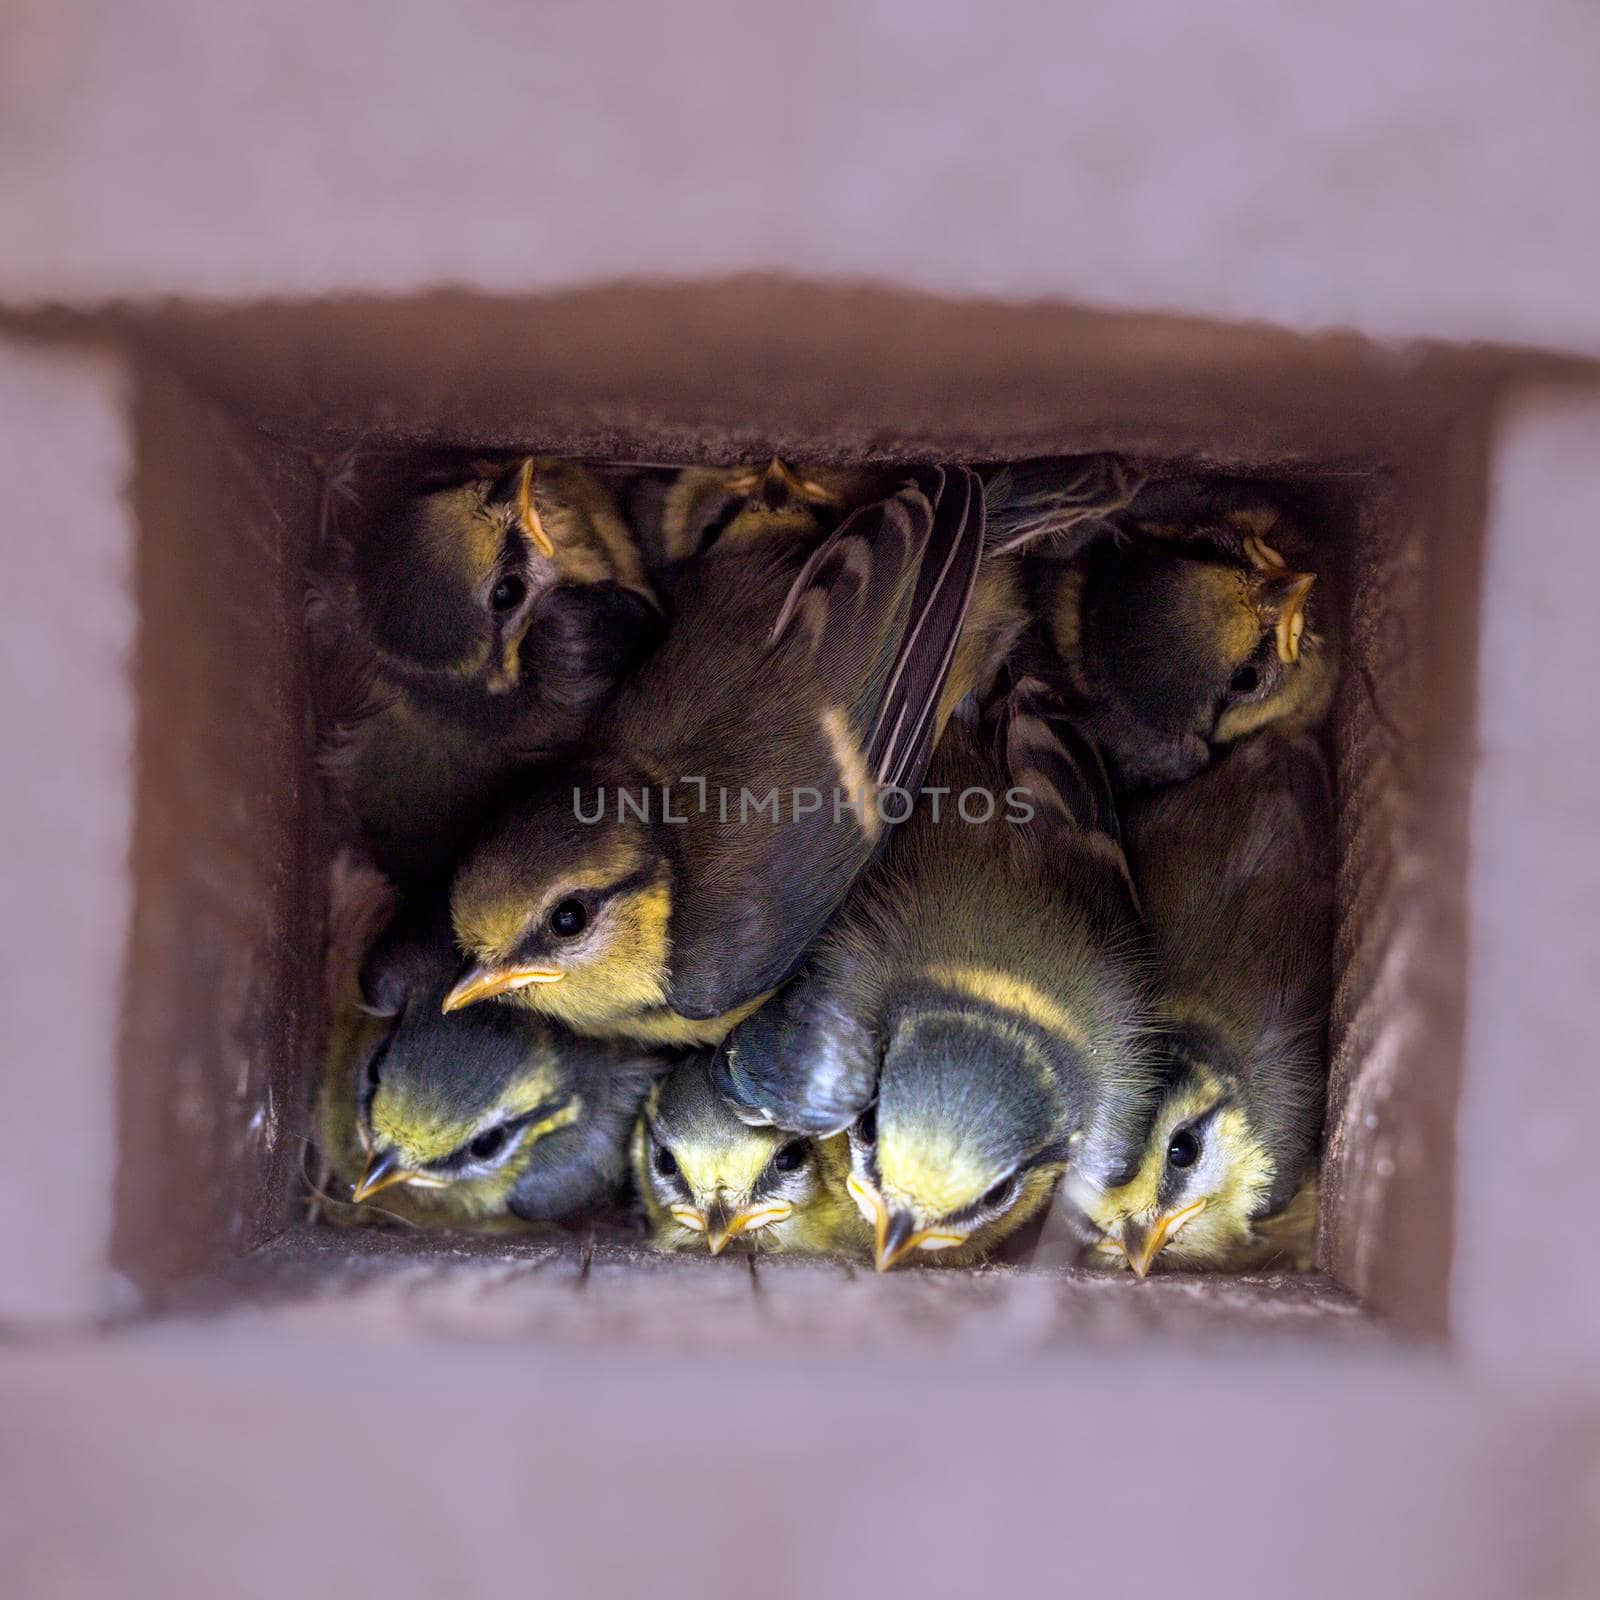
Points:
point(792, 1156)
point(1184, 1150)
point(488, 1144)
point(1244, 680)
point(569, 919)
point(666, 1162)
point(999, 1192)
point(867, 1127)
point(509, 593)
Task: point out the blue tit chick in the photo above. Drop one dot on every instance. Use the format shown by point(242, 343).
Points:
point(976, 1017)
point(476, 626)
point(472, 1119)
point(1235, 871)
point(664, 878)
point(707, 1179)
point(1182, 636)
point(738, 507)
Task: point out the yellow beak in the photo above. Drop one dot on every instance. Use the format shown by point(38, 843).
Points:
point(1292, 616)
point(723, 1225)
point(895, 1234)
point(383, 1171)
point(1142, 1245)
point(780, 476)
point(488, 983)
point(528, 512)
point(897, 1238)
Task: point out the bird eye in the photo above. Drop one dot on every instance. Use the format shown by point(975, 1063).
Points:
point(867, 1127)
point(792, 1156)
point(488, 1144)
point(569, 919)
point(509, 593)
point(666, 1162)
point(1244, 680)
point(1184, 1149)
point(995, 1195)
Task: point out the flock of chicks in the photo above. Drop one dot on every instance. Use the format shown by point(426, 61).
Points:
point(851, 861)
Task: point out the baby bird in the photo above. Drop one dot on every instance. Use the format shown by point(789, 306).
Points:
point(975, 1017)
point(479, 625)
point(659, 882)
point(737, 507)
point(706, 1178)
point(470, 1119)
point(1234, 869)
point(1185, 636)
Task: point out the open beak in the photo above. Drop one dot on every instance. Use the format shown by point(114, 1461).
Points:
point(1142, 1245)
point(528, 512)
point(383, 1171)
point(488, 983)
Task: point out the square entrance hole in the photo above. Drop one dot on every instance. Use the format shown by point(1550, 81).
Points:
point(236, 417)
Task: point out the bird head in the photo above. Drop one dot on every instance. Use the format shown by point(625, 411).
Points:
point(1200, 1182)
point(455, 1108)
point(1194, 641)
point(708, 1179)
point(565, 905)
point(489, 596)
point(734, 508)
point(968, 1135)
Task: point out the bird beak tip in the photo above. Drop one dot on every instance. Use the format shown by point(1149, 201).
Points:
point(489, 983)
point(382, 1171)
point(897, 1239)
point(454, 1001)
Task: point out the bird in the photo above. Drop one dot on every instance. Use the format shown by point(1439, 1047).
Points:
point(486, 1117)
point(657, 883)
point(467, 627)
point(1056, 504)
point(738, 506)
point(1201, 621)
point(1234, 871)
point(707, 1179)
point(975, 1020)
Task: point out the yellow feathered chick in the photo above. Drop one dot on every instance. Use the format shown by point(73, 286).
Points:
point(1186, 633)
point(707, 1179)
point(1235, 874)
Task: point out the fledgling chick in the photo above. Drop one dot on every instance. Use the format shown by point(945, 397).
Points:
point(737, 507)
point(975, 1017)
point(1185, 636)
point(643, 888)
point(480, 625)
point(474, 1118)
point(708, 1179)
point(1234, 869)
